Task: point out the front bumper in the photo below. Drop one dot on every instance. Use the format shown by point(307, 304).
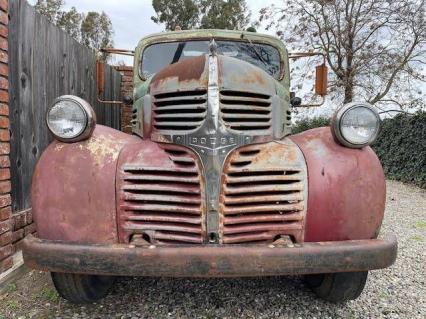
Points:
point(210, 261)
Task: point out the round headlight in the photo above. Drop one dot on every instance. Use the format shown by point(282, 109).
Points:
point(71, 119)
point(356, 125)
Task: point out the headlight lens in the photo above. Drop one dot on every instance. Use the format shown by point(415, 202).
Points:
point(70, 119)
point(356, 125)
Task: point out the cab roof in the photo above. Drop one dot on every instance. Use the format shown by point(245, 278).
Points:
point(212, 33)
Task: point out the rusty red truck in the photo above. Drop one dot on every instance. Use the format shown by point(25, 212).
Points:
point(211, 183)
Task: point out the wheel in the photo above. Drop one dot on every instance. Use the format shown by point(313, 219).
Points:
point(338, 287)
point(81, 289)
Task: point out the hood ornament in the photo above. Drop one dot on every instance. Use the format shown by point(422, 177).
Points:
point(213, 47)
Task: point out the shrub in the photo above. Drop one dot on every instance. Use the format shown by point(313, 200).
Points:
point(401, 145)
point(307, 124)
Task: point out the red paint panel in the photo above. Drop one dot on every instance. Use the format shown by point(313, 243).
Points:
point(73, 190)
point(346, 189)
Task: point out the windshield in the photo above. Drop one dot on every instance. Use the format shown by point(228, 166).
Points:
point(158, 56)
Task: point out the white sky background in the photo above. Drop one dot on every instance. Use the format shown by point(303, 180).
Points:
point(131, 19)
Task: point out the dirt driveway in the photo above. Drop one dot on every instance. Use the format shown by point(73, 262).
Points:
point(397, 292)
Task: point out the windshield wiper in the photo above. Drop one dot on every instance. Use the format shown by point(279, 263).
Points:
point(178, 52)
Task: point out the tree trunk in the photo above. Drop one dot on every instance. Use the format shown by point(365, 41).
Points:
point(349, 89)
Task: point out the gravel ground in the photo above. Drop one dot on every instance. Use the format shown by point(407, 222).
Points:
point(397, 292)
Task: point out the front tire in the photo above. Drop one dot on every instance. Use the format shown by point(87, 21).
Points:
point(338, 287)
point(82, 289)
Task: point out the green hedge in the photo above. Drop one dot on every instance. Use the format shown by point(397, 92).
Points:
point(307, 124)
point(401, 145)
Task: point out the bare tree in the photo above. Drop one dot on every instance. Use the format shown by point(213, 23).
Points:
point(376, 49)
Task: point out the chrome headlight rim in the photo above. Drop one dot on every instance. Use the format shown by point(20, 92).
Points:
point(336, 124)
point(88, 111)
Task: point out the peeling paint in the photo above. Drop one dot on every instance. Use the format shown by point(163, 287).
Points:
point(101, 149)
point(59, 147)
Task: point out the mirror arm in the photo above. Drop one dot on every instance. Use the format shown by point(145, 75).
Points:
point(100, 83)
point(298, 55)
point(108, 102)
point(118, 51)
point(314, 105)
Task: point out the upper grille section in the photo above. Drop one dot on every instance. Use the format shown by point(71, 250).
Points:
point(164, 204)
point(263, 194)
point(246, 112)
point(179, 111)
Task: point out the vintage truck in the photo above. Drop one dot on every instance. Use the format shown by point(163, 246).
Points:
point(211, 183)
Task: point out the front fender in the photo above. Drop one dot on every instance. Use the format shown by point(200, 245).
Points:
point(347, 189)
point(73, 188)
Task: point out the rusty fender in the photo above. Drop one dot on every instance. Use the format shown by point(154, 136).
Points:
point(346, 189)
point(210, 261)
point(73, 188)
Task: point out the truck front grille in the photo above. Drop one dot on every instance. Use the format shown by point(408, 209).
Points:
point(246, 112)
point(263, 196)
point(179, 111)
point(163, 205)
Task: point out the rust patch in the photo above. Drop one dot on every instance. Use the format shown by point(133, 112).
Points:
point(210, 261)
point(187, 70)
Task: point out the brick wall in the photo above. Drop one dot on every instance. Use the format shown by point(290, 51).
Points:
point(13, 226)
point(6, 227)
point(22, 225)
point(126, 90)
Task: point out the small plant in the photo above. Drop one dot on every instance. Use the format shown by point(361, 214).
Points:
point(11, 288)
point(49, 294)
point(416, 238)
point(420, 225)
point(12, 304)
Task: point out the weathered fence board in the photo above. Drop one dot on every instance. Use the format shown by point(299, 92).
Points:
point(45, 63)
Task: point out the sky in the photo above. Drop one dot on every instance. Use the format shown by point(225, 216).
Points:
point(131, 19)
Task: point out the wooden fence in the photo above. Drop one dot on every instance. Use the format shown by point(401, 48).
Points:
point(45, 63)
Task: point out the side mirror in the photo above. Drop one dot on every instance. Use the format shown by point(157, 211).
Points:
point(100, 74)
point(128, 100)
point(100, 77)
point(321, 80)
point(294, 100)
